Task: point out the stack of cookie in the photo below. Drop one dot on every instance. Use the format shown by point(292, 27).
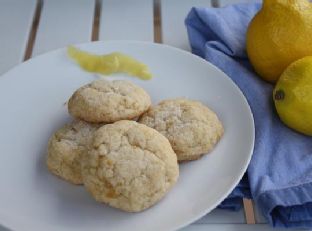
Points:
point(127, 164)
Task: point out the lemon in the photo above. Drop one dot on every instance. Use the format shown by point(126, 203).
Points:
point(293, 96)
point(279, 34)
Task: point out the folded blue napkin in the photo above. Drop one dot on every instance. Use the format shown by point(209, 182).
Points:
point(279, 177)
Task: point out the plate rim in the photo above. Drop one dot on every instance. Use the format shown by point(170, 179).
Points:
point(191, 219)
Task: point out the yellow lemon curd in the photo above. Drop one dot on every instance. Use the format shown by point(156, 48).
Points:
point(109, 63)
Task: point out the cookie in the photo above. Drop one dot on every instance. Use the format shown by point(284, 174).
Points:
point(192, 128)
point(65, 148)
point(108, 101)
point(129, 166)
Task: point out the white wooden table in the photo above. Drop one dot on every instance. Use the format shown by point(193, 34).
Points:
point(30, 27)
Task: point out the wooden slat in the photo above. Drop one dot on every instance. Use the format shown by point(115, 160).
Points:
point(127, 20)
point(248, 205)
point(231, 227)
point(64, 22)
point(173, 13)
point(222, 3)
point(16, 18)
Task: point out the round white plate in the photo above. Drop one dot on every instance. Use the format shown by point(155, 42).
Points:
point(32, 102)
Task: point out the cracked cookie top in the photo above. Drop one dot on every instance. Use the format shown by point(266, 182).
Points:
point(65, 148)
point(108, 101)
point(129, 166)
point(191, 127)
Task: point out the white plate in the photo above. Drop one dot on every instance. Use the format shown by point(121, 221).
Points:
point(32, 98)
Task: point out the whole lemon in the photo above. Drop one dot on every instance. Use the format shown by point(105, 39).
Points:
point(279, 34)
point(293, 96)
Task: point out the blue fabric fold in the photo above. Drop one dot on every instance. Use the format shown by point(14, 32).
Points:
point(234, 201)
point(279, 177)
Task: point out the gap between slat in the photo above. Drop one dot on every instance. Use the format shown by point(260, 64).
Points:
point(157, 22)
point(33, 31)
point(96, 21)
point(248, 206)
point(249, 212)
point(215, 3)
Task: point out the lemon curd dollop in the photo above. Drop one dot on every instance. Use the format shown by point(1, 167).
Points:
point(109, 63)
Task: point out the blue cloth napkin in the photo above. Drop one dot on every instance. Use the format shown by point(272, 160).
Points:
point(279, 177)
